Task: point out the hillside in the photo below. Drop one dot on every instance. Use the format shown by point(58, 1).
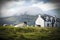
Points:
point(29, 33)
point(30, 19)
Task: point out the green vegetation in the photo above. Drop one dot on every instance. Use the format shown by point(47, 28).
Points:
point(29, 33)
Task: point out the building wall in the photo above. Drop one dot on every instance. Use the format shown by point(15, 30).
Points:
point(47, 24)
point(57, 24)
point(40, 21)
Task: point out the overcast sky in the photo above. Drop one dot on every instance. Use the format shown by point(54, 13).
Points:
point(9, 8)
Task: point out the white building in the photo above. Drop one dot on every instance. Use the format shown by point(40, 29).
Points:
point(47, 22)
point(39, 21)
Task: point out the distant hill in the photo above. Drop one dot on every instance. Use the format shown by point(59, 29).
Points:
point(16, 19)
point(30, 19)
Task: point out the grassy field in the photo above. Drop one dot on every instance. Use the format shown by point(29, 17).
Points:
point(29, 33)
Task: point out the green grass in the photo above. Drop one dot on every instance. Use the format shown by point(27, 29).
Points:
point(29, 33)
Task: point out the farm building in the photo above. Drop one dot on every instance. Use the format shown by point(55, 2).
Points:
point(47, 21)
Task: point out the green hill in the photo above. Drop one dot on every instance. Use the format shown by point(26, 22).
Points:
point(29, 33)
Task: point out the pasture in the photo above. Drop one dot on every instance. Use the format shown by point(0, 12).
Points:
point(29, 33)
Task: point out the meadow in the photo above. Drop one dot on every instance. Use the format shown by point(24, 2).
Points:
point(29, 33)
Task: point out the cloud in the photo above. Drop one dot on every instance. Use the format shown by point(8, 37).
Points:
point(46, 1)
point(47, 6)
point(12, 7)
point(31, 1)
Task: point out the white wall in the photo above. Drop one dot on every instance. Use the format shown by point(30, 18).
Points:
point(47, 23)
point(39, 21)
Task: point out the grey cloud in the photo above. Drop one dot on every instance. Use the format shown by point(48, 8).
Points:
point(45, 1)
point(4, 1)
point(36, 1)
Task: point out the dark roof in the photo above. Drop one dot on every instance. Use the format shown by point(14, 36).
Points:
point(45, 15)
